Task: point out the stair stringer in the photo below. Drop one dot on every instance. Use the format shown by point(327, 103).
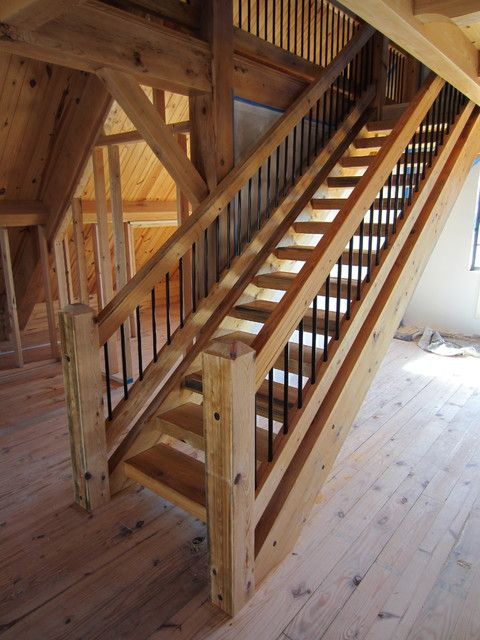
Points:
point(289, 509)
point(161, 383)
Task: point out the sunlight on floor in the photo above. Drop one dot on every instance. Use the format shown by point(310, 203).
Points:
point(464, 369)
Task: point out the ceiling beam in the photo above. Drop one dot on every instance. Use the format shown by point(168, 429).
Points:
point(142, 211)
point(96, 35)
point(445, 50)
point(21, 213)
point(132, 137)
point(464, 12)
point(31, 14)
point(149, 123)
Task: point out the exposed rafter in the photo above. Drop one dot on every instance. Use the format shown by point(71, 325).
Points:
point(464, 12)
point(31, 14)
point(156, 133)
point(446, 50)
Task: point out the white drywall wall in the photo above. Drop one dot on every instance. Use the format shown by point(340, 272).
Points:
point(447, 296)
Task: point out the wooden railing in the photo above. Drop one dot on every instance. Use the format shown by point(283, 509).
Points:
point(224, 226)
point(315, 31)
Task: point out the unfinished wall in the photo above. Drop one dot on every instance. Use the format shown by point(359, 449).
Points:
point(447, 296)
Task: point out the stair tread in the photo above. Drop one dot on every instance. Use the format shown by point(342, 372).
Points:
point(335, 204)
point(381, 125)
point(343, 182)
point(281, 280)
point(194, 381)
point(314, 227)
point(260, 310)
point(302, 253)
point(172, 474)
point(186, 423)
point(369, 143)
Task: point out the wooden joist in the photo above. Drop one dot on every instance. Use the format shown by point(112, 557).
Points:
point(31, 14)
point(135, 211)
point(14, 213)
point(133, 100)
point(96, 35)
point(133, 137)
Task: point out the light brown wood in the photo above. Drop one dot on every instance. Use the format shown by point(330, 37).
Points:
point(61, 273)
point(181, 241)
point(97, 35)
point(172, 474)
point(31, 14)
point(119, 247)
point(157, 135)
point(83, 394)
point(161, 377)
point(141, 211)
point(285, 449)
point(131, 267)
point(47, 291)
point(289, 311)
point(467, 11)
point(68, 268)
point(294, 500)
point(22, 214)
point(79, 241)
point(132, 137)
point(105, 259)
point(446, 51)
point(7, 269)
point(229, 424)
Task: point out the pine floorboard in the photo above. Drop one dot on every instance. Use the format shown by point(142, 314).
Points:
point(391, 551)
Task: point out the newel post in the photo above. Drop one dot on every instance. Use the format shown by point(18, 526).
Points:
point(83, 394)
point(229, 423)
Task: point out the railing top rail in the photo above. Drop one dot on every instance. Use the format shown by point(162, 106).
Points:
point(118, 309)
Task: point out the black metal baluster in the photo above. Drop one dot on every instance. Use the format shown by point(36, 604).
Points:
point(349, 278)
point(389, 207)
point(313, 357)
point(139, 343)
point(154, 324)
point(229, 231)
point(277, 182)
point(339, 299)
point(269, 184)
point(239, 223)
point(326, 319)
point(194, 277)
point(360, 260)
point(412, 169)
point(249, 211)
point(395, 204)
point(285, 168)
point(217, 247)
point(181, 292)
point(107, 381)
point(302, 136)
point(294, 154)
point(167, 306)
point(300, 366)
point(270, 415)
point(286, 368)
point(205, 263)
point(370, 242)
point(379, 227)
point(259, 199)
point(124, 362)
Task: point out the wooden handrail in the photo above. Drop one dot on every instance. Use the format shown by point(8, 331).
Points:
point(280, 325)
point(166, 259)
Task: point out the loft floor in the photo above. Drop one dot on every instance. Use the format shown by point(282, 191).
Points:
point(392, 549)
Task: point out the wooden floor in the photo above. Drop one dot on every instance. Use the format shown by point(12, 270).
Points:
point(392, 549)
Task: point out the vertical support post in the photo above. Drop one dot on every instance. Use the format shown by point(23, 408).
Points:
point(105, 258)
point(79, 241)
point(131, 266)
point(182, 216)
point(83, 394)
point(47, 290)
point(61, 273)
point(119, 248)
point(98, 266)
point(10, 295)
point(380, 72)
point(68, 268)
point(229, 422)
point(411, 79)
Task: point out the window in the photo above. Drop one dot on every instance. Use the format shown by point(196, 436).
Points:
point(476, 240)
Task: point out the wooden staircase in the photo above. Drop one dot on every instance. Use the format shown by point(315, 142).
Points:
point(239, 416)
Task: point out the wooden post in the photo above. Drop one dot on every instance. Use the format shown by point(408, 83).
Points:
point(61, 273)
point(83, 394)
point(380, 72)
point(182, 216)
point(131, 267)
point(105, 258)
point(10, 295)
point(229, 423)
point(119, 250)
point(79, 241)
point(47, 290)
point(68, 268)
point(98, 266)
